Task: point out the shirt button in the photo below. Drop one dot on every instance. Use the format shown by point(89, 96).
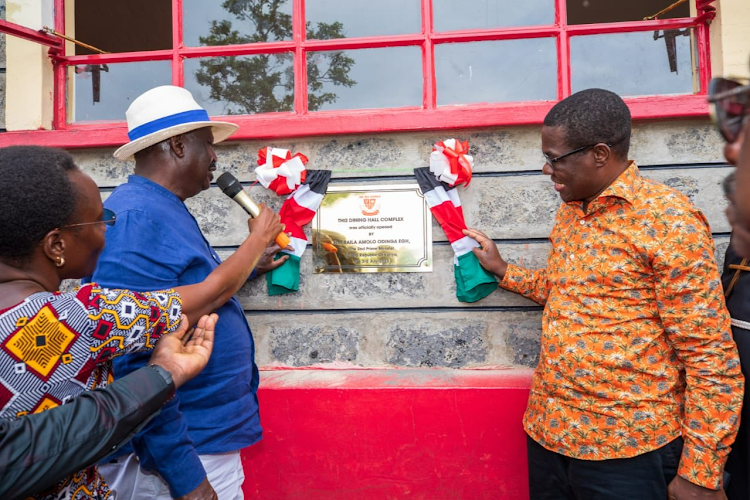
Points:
point(583, 222)
point(554, 323)
point(572, 257)
point(549, 361)
point(550, 400)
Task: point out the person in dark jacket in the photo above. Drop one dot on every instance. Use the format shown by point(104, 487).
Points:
point(37, 451)
point(731, 102)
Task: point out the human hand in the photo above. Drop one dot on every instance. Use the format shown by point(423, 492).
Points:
point(488, 254)
point(184, 355)
point(266, 262)
point(267, 225)
point(682, 489)
point(203, 491)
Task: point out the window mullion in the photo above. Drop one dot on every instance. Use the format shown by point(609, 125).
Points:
point(704, 56)
point(563, 50)
point(429, 89)
point(60, 112)
point(178, 75)
point(300, 57)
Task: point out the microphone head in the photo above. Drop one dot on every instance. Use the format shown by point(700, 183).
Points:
point(229, 184)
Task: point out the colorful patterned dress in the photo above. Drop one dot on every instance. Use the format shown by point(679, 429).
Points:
point(54, 346)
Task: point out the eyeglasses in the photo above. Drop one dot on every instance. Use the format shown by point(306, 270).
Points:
point(730, 106)
point(108, 218)
point(554, 160)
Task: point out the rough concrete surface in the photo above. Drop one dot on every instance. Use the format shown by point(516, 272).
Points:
point(414, 319)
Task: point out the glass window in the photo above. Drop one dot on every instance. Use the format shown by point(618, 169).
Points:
point(607, 11)
point(104, 91)
point(130, 26)
point(242, 85)
point(233, 22)
point(363, 79)
point(497, 71)
point(634, 64)
point(452, 15)
point(357, 18)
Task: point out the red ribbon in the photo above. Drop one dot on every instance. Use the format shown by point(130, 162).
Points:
point(459, 164)
point(279, 185)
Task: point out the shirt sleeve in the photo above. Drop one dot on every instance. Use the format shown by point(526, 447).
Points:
point(531, 284)
point(697, 324)
point(39, 450)
point(125, 321)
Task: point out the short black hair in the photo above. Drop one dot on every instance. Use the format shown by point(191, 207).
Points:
point(592, 116)
point(36, 196)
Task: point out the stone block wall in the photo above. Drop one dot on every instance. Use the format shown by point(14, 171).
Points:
point(414, 319)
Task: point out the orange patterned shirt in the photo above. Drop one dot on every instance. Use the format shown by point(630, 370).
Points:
point(636, 343)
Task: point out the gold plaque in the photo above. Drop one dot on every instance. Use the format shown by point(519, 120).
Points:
point(366, 229)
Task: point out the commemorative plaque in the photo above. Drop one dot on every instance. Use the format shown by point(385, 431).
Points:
point(367, 229)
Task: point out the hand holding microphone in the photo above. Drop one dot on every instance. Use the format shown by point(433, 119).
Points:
point(232, 188)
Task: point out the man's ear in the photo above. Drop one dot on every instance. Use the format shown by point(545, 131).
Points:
point(177, 145)
point(602, 154)
point(53, 245)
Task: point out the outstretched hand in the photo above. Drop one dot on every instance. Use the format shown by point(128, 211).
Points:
point(185, 355)
point(488, 254)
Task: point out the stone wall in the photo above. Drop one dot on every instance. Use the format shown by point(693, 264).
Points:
point(414, 319)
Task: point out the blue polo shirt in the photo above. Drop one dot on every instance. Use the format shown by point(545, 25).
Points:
point(155, 244)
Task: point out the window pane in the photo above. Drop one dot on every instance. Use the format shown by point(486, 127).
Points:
point(104, 92)
point(233, 22)
point(129, 26)
point(498, 71)
point(355, 18)
point(452, 15)
point(632, 64)
point(607, 11)
point(242, 84)
point(361, 79)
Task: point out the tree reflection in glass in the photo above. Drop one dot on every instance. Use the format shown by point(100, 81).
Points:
point(264, 83)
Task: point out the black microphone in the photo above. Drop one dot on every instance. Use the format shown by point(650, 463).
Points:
point(231, 187)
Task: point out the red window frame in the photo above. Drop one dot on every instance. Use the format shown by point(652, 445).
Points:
point(427, 117)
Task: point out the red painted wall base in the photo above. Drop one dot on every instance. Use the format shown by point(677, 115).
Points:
point(390, 434)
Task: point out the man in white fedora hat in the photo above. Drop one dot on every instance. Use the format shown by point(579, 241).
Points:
point(191, 450)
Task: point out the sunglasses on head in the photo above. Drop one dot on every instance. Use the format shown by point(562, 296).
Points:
point(730, 106)
point(108, 218)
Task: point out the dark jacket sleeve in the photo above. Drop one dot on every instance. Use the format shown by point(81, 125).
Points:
point(38, 450)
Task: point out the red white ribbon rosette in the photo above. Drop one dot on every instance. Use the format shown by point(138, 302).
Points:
point(280, 171)
point(450, 163)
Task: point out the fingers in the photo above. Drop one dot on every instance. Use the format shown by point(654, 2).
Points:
point(204, 331)
point(182, 329)
point(479, 236)
point(278, 262)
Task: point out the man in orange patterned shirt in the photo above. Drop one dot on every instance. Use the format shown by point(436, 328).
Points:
point(638, 390)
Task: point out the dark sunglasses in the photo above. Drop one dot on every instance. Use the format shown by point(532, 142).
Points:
point(554, 160)
point(108, 218)
point(730, 106)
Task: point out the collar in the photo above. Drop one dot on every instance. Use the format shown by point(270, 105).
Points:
point(154, 187)
point(625, 185)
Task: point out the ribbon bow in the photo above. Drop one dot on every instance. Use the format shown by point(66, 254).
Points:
point(450, 163)
point(280, 171)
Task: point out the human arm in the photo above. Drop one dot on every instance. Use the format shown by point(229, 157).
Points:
point(266, 263)
point(224, 281)
point(38, 450)
point(531, 284)
point(695, 320)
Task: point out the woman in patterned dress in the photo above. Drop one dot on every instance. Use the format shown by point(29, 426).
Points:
point(55, 345)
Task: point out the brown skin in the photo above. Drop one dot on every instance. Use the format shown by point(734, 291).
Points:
point(185, 355)
point(738, 211)
point(583, 177)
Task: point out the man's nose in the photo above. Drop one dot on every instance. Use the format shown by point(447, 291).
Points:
point(547, 169)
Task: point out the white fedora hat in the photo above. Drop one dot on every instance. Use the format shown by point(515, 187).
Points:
point(163, 112)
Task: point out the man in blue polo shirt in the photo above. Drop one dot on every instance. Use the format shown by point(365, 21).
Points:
point(191, 449)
